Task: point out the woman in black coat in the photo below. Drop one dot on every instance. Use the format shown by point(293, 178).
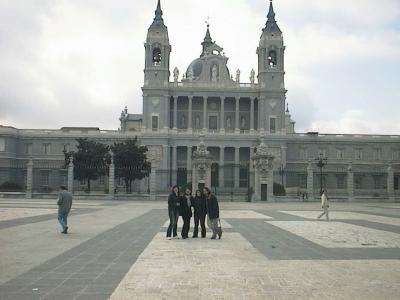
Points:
point(186, 212)
point(200, 212)
point(173, 211)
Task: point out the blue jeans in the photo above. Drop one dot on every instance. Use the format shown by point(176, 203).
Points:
point(173, 221)
point(62, 218)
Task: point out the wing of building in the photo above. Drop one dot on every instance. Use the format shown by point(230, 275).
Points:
point(233, 115)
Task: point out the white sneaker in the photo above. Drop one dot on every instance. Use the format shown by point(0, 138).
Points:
point(169, 238)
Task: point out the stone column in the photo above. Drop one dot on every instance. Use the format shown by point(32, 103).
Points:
point(261, 115)
point(270, 186)
point(237, 129)
point(310, 181)
point(29, 178)
point(111, 179)
point(390, 183)
point(221, 171)
point(283, 161)
point(350, 182)
point(167, 112)
point(174, 164)
point(175, 113)
point(237, 168)
point(251, 167)
point(190, 114)
point(70, 176)
point(252, 115)
point(153, 184)
point(204, 114)
point(165, 179)
point(222, 122)
point(189, 163)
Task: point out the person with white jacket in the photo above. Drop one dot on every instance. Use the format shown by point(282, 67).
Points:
point(324, 205)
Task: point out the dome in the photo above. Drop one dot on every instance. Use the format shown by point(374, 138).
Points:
point(196, 66)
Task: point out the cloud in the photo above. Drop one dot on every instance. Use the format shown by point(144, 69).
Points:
point(78, 63)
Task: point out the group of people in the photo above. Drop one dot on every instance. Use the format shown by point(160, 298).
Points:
point(203, 204)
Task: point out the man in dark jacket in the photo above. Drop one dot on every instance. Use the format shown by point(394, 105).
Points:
point(64, 206)
point(213, 213)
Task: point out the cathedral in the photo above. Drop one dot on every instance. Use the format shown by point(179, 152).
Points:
point(234, 116)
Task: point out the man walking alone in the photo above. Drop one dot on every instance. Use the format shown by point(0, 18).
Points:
point(64, 206)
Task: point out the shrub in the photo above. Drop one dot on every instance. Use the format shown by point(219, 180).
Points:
point(10, 186)
point(279, 189)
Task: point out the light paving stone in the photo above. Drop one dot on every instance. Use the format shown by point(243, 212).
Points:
point(17, 213)
point(341, 215)
point(233, 269)
point(242, 214)
point(340, 235)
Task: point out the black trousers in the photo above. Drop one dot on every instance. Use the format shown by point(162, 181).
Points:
point(202, 220)
point(173, 221)
point(186, 226)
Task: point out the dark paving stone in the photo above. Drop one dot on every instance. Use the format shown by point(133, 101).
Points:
point(97, 262)
point(42, 218)
point(278, 244)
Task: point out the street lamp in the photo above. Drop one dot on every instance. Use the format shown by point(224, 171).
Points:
point(321, 162)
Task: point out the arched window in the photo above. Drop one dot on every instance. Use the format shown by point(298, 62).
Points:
point(272, 58)
point(157, 56)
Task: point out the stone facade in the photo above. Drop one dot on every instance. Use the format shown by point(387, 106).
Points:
point(232, 115)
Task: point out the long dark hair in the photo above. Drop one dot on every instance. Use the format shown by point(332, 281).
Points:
point(201, 193)
point(208, 190)
point(172, 190)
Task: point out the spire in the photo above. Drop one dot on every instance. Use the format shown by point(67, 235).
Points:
point(207, 39)
point(287, 107)
point(271, 25)
point(159, 12)
point(158, 19)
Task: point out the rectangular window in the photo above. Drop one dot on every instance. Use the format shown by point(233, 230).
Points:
point(358, 154)
point(45, 178)
point(396, 154)
point(378, 182)
point(322, 152)
point(340, 154)
point(272, 125)
point(28, 148)
point(396, 182)
point(2, 144)
point(377, 154)
point(340, 181)
point(303, 153)
point(46, 148)
point(358, 180)
point(154, 123)
point(212, 123)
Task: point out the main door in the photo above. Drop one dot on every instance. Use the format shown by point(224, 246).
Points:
point(264, 189)
point(213, 122)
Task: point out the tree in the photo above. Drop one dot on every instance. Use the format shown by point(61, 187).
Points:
point(130, 162)
point(89, 160)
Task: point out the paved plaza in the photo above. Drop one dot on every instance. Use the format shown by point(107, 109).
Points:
point(118, 250)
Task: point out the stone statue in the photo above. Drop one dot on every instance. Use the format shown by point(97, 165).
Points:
point(197, 122)
point(228, 123)
point(252, 76)
point(190, 74)
point(238, 76)
point(176, 75)
point(243, 122)
point(214, 73)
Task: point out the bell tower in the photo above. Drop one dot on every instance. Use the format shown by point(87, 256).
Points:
point(158, 49)
point(271, 55)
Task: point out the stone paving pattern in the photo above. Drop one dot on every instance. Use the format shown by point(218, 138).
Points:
point(268, 251)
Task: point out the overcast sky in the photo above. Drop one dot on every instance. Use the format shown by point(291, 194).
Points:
point(79, 62)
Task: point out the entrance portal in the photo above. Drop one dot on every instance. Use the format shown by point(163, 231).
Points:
point(264, 191)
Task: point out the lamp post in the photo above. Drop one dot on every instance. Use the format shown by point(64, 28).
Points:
point(321, 162)
point(282, 172)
